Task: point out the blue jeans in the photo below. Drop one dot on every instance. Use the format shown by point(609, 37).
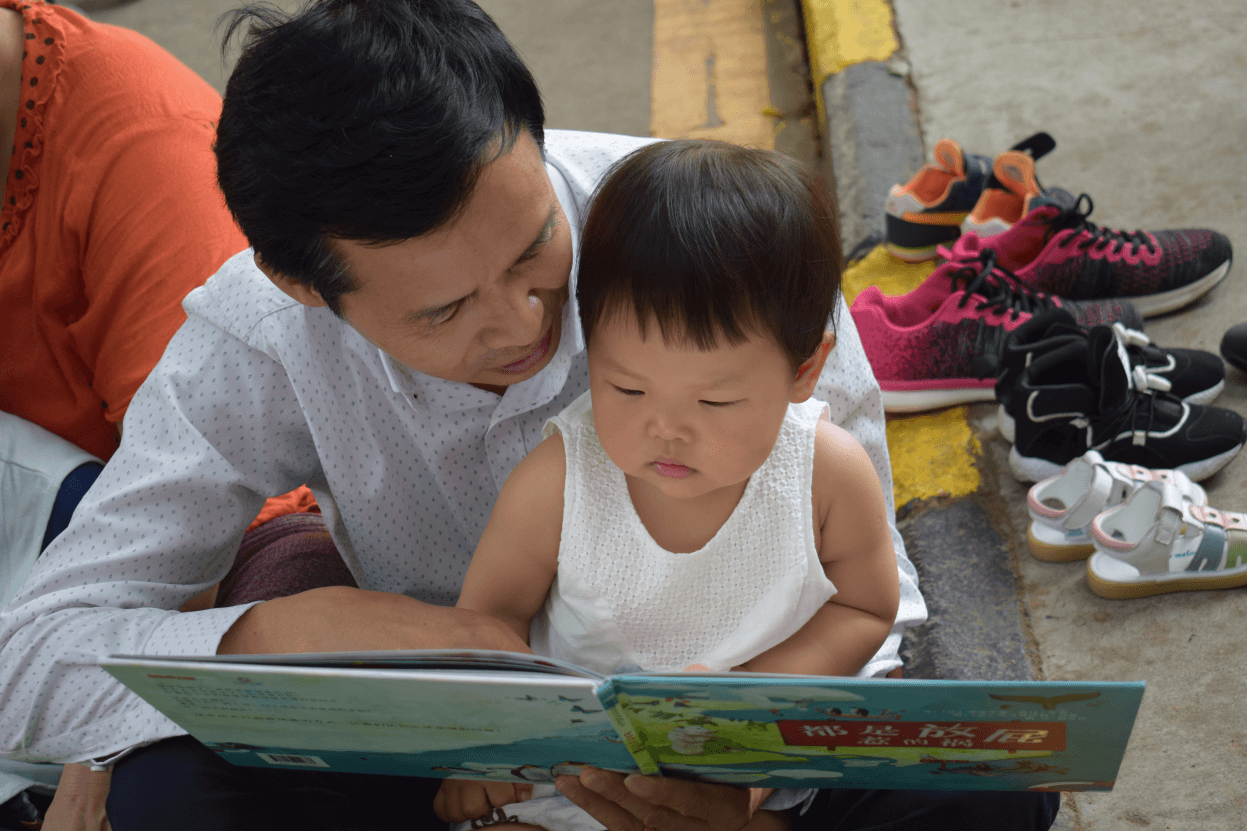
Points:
point(179, 783)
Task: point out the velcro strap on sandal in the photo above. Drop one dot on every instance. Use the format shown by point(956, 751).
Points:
point(1093, 502)
point(1169, 525)
point(1211, 549)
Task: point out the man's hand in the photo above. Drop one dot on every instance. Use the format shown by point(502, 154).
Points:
point(636, 802)
point(79, 801)
point(460, 800)
point(342, 619)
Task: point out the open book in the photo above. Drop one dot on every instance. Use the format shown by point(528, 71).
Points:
point(513, 717)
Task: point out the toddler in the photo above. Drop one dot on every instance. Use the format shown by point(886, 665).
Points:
point(696, 508)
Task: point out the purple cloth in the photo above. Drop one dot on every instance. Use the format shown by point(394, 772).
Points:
point(284, 556)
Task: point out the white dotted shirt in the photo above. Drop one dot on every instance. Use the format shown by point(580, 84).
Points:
point(255, 395)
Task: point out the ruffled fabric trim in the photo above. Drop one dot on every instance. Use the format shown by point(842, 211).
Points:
point(41, 65)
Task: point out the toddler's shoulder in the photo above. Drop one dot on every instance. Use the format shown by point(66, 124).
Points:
point(843, 472)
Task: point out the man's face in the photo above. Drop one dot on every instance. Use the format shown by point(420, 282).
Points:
point(479, 300)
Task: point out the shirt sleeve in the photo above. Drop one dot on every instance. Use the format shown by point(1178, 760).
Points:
point(157, 227)
point(214, 430)
point(852, 395)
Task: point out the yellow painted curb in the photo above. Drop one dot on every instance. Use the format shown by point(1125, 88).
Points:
point(932, 455)
point(879, 268)
point(840, 33)
point(710, 77)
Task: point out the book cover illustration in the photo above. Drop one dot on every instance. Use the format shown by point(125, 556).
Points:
point(506, 725)
point(523, 718)
point(860, 733)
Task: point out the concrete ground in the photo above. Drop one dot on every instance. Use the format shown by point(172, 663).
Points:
point(1146, 100)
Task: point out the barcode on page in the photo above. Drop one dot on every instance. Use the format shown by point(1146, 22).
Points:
point(291, 759)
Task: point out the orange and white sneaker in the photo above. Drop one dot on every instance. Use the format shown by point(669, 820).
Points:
point(926, 212)
point(1003, 201)
point(931, 209)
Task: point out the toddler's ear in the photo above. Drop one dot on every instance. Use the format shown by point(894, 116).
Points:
point(809, 372)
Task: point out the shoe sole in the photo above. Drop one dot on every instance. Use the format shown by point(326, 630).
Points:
point(914, 401)
point(1031, 469)
point(1150, 305)
point(1050, 553)
point(913, 255)
point(1159, 583)
point(1006, 427)
point(1205, 396)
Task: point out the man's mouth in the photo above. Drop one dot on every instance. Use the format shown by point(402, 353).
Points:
point(533, 358)
point(671, 469)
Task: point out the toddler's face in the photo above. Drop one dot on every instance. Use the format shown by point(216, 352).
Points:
point(681, 420)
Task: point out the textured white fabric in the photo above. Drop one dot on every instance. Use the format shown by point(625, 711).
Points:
point(546, 809)
point(33, 464)
point(255, 395)
point(620, 599)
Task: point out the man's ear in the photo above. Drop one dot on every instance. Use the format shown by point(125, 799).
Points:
point(809, 372)
point(301, 292)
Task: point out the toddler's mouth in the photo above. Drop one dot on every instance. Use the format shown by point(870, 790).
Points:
point(671, 469)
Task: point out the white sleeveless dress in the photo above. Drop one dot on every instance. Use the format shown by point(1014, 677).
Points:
point(620, 601)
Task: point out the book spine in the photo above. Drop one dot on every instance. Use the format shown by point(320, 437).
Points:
point(614, 711)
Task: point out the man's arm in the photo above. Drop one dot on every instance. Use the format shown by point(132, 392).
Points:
point(162, 524)
point(339, 619)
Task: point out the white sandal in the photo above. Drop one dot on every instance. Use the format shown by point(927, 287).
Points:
point(1157, 542)
point(1063, 506)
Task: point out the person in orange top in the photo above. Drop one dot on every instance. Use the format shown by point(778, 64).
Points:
point(110, 215)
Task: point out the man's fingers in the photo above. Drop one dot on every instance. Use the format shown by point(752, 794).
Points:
point(605, 797)
point(439, 804)
point(719, 807)
point(597, 801)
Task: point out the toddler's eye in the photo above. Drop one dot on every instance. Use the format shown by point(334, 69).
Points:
point(626, 391)
point(720, 403)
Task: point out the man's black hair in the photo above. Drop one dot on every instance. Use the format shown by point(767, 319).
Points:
point(712, 241)
point(366, 120)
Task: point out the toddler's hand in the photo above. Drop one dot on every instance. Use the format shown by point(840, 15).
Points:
point(459, 800)
point(696, 668)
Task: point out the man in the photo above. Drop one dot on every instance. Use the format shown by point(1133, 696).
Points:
point(396, 340)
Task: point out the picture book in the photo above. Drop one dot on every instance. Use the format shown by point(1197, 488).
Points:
point(513, 717)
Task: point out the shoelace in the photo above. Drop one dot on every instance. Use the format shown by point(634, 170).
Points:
point(1075, 219)
point(1141, 379)
point(1143, 390)
point(999, 289)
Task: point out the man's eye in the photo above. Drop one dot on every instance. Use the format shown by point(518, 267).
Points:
point(444, 314)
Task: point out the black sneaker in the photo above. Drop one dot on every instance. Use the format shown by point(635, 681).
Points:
point(1195, 376)
point(1082, 396)
point(1234, 346)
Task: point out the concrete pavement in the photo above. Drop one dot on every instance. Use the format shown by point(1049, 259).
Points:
point(1146, 101)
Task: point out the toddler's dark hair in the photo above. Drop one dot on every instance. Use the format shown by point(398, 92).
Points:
point(712, 241)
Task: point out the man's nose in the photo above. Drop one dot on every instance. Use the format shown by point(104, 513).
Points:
point(516, 319)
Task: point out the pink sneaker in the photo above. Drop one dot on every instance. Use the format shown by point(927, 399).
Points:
point(942, 343)
point(1055, 249)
